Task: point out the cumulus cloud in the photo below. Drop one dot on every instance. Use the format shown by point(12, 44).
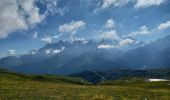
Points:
point(52, 7)
point(164, 26)
point(47, 39)
point(58, 50)
point(11, 52)
point(114, 3)
point(112, 35)
point(35, 35)
point(71, 27)
point(18, 15)
point(103, 4)
point(109, 24)
point(105, 46)
point(80, 39)
point(148, 3)
point(54, 51)
point(62, 11)
point(56, 36)
point(126, 42)
point(144, 30)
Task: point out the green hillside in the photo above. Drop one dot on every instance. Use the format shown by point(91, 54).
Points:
point(52, 87)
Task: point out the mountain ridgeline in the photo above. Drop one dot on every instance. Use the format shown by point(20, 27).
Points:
point(65, 57)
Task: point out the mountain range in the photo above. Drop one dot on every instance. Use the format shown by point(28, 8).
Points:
point(67, 57)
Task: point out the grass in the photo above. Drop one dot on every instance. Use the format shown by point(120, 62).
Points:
point(47, 87)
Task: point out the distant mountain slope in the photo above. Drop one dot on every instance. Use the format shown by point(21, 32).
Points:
point(10, 61)
point(153, 55)
point(66, 57)
point(77, 56)
point(92, 61)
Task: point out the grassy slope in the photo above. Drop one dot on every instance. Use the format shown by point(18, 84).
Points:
point(16, 86)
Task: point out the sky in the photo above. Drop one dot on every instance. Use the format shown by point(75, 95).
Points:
point(30, 24)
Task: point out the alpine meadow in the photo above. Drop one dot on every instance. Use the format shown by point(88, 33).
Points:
point(84, 50)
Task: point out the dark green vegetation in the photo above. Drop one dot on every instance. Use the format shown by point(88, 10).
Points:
point(17, 86)
point(45, 78)
point(115, 74)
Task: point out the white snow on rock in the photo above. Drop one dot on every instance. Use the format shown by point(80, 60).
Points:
point(157, 80)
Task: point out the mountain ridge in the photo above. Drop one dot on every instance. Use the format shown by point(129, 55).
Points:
point(66, 57)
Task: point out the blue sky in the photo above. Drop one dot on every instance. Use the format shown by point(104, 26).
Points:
point(30, 24)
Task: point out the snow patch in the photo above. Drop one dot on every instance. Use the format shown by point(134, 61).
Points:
point(157, 80)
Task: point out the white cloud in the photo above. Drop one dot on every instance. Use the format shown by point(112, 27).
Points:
point(114, 3)
point(163, 26)
point(80, 39)
point(144, 30)
point(47, 39)
point(54, 51)
point(71, 27)
point(148, 3)
point(56, 36)
point(58, 50)
point(35, 35)
point(48, 51)
point(109, 24)
point(18, 15)
point(103, 4)
point(11, 52)
point(52, 7)
point(110, 35)
point(105, 46)
point(30, 11)
point(62, 11)
point(126, 42)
